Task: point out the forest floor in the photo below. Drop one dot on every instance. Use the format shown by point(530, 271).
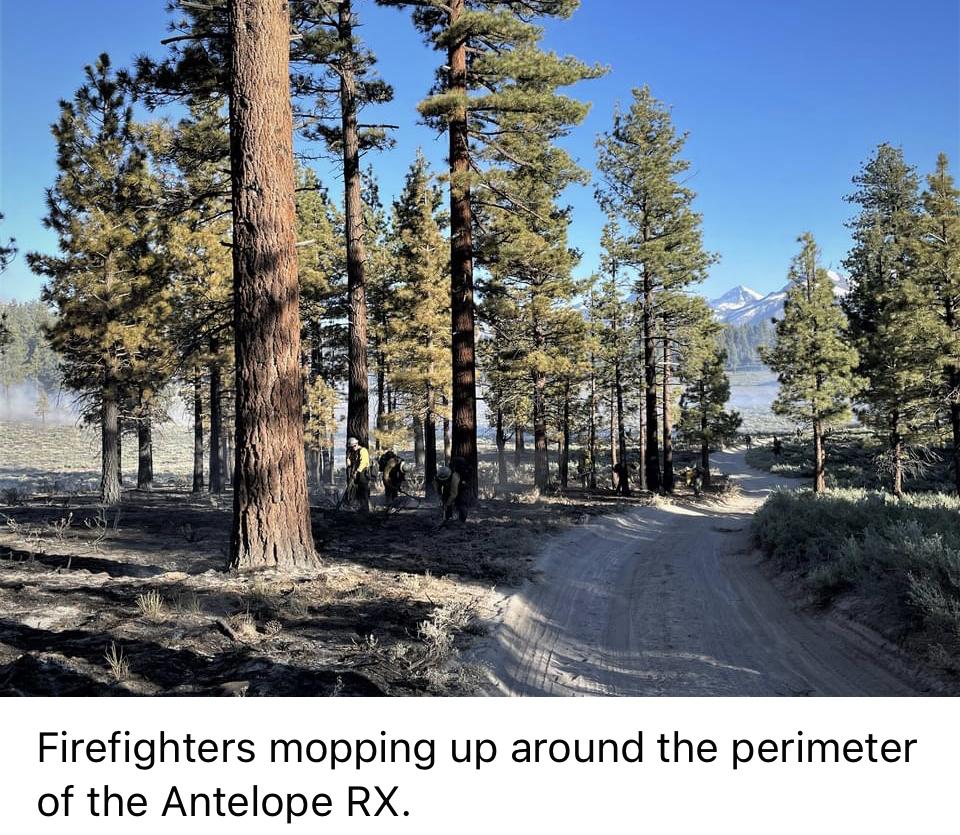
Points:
point(135, 600)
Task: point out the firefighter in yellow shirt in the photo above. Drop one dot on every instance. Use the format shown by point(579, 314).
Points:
point(358, 474)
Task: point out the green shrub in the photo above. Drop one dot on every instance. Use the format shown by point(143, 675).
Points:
point(901, 556)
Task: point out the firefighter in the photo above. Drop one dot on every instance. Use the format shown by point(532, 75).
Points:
point(451, 486)
point(358, 474)
point(392, 474)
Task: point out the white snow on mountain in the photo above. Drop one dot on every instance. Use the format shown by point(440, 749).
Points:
point(741, 305)
point(735, 299)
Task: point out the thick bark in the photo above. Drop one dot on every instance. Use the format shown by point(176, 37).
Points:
point(430, 441)
point(197, 431)
point(358, 409)
point(541, 463)
point(109, 432)
point(216, 427)
point(518, 444)
point(144, 446)
point(271, 519)
point(501, 450)
point(819, 459)
point(652, 460)
point(419, 456)
point(667, 423)
point(464, 441)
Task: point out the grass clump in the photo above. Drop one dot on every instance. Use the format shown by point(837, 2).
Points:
point(899, 558)
point(152, 606)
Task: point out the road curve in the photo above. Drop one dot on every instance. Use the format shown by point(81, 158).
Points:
point(669, 600)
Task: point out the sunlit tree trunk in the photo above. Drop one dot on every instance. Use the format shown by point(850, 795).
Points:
point(271, 520)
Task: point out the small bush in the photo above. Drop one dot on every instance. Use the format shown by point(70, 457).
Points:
point(901, 555)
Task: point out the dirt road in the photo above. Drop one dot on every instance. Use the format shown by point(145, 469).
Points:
point(671, 600)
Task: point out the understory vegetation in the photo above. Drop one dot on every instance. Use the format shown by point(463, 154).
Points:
point(856, 458)
point(891, 563)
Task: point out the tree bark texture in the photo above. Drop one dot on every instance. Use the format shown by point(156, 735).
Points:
point(271, 519)
point(464, 418)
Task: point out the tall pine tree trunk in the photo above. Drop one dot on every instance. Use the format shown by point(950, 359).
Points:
point(501, 449)
point(541, 463)
point(592, 430)
point(119, 449)
point(953, 381)
point(109, 433)
point(667, 423)
point(419, 456)
point(271, 519)
point(430, 440)
point(565, 442)
point(144, 445)
point(643, 436)
point(614, 458)
point(896, 449)
point(518, 445)
point(216, 427)
point(461, 258)
point(624, 483)
point(819, 459)
point(652, 462)
point(197, 430)
point(358, 410)
point(704, 436)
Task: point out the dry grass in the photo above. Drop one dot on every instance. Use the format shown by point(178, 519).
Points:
point(117, 663)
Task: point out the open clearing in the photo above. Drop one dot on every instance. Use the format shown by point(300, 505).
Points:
point(671, 599)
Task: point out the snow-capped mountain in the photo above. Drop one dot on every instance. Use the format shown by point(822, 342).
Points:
point(731, 311)
point(735, 299)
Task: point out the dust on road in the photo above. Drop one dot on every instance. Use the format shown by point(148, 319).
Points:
point(670, 600)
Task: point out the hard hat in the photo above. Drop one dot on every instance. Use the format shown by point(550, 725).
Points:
point(352, 442)
point(444, 472)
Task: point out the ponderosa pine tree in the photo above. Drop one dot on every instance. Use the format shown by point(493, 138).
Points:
point(101, 209)
point(524, 247)
point(704, 419)
point(331, 81)
point(616, 317)
point(493, 71)
point(328, 40)
point(643, 187)
point(938, 257)
point(271, 524)
point(889, 326)
point(418, 343)
point(323, 310)
point(814, 362)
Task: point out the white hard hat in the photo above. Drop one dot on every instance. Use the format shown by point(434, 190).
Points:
point(352, 442)
point(443, 472)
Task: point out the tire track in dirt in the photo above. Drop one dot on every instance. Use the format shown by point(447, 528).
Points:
point(671, 600)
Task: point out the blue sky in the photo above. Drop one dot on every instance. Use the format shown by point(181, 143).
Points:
point(783, 101)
